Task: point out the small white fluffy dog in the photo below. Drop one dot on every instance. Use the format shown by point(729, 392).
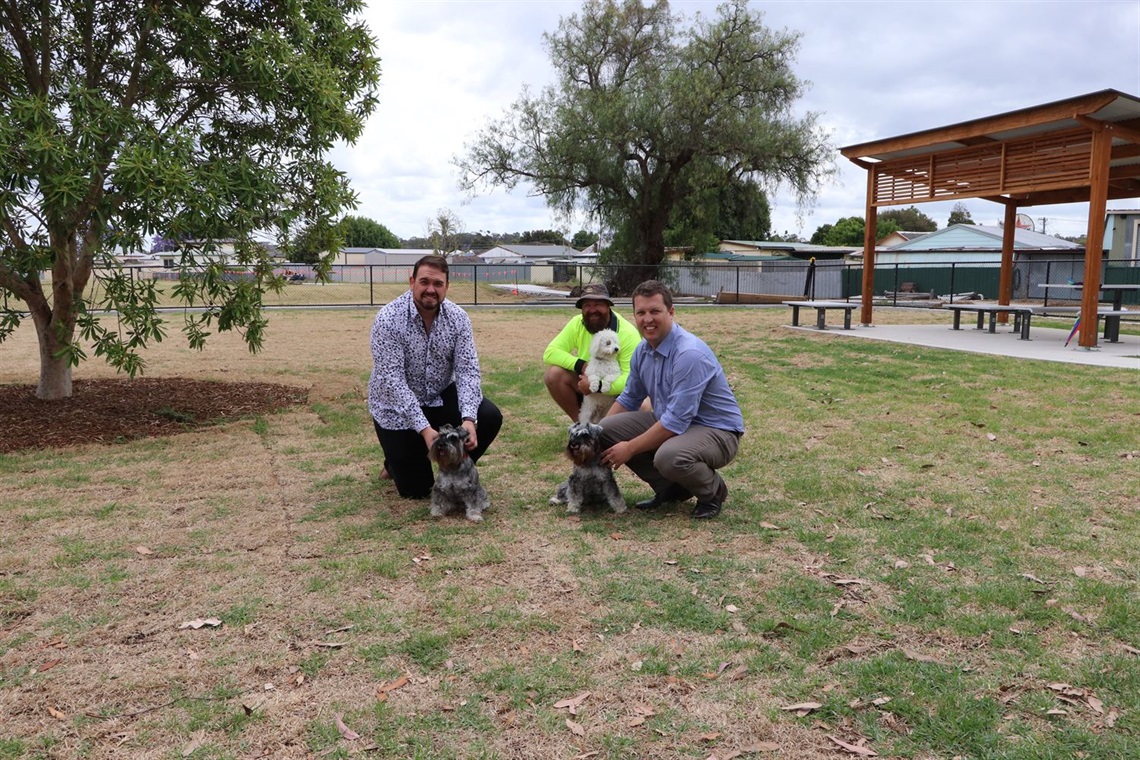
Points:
point(601, 370)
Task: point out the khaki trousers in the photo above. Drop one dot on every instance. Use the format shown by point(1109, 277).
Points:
point(689, 460)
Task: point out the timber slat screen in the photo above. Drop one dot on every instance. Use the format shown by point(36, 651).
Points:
point(1056, 161)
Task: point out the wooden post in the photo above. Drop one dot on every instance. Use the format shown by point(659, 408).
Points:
point(869, 229)
point(1098, 202)
point(1005, 281)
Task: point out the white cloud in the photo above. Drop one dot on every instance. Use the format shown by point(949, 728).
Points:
point(878, 69)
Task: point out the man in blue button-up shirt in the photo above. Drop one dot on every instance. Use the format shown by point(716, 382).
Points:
point(695, 426)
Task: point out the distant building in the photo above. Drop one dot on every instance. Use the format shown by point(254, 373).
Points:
point(1122, 235)
point(776, 249)
point(963, 243)
point(511, 253)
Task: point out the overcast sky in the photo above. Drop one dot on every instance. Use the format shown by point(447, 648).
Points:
point(877, 69)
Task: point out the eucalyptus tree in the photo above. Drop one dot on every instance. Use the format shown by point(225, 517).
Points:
point(203, 122)
point(649, 107)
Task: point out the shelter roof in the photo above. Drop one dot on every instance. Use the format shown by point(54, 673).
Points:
point(1036, 155)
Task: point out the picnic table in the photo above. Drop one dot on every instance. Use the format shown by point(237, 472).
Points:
point(1021, 315)
point(821, 309)
point(1117, 291)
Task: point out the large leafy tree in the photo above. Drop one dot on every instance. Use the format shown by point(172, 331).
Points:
point(648, 109)
point(909, 219)
point(201, 121)
point(733, 211)
point(362, 232)
point(960, 214)
point(849, 231)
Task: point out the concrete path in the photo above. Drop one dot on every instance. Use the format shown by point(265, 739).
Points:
point(1045, 344)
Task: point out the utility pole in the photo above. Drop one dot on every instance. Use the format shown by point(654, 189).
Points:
point(1043, 223)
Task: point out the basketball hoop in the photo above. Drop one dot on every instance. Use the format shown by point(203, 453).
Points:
point(1025, 222)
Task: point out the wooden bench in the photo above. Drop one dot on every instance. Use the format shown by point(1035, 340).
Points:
point(821, 308)
point(1110, 316)
point(1021, 315)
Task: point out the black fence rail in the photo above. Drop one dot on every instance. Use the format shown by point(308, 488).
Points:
point(744, 282)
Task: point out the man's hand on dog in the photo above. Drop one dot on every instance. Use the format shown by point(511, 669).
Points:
point(618, 454)
point(472, 437)
point(584, 383)
point(430, 434)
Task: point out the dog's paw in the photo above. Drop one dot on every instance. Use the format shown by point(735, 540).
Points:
point(619, 508)
point(474, 517)
point(573, 509)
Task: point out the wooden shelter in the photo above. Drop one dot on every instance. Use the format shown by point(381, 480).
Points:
point(1083, 149)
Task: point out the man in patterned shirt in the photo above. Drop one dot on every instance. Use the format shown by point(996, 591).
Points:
point(425, 374)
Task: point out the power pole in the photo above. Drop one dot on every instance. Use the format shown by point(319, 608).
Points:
point(1044, 221)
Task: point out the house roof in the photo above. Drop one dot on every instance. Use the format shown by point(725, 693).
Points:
point(975, 237)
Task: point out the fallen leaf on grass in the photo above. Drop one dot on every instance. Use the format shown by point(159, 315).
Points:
point(587, 755)
point(770, 526)
point(855, 749)
point(383, 689)
point(858, 649)
point(328, 644)
point(1056, 711)
point(193, 746)
point(48, 665)
point(345, 731)
point(197, 623)
point(803, 708)
point(143, 550)
point(902, 564)
point(1131, 650)
point(880, 701)
point(1080, 572)
point(910, 654)
point(57, 714)
point(575, 728)
point(635, 721)
point(573, 703)
point(991, 437)
point(1095, 704)
point(1034, 578)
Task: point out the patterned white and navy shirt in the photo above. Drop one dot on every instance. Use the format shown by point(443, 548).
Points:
point(411, 366)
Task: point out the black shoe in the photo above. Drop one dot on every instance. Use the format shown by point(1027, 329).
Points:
point(672, 493)
point(710, 508)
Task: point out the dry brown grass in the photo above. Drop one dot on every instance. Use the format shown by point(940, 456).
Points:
point(324, 577)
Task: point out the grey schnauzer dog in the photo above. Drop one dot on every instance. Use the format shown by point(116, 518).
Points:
point(591, 482)
point(457, 486)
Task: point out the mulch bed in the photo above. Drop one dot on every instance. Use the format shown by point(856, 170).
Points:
point(113, 411)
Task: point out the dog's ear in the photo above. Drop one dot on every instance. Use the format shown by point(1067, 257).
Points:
point(595, 430)
point(462, 432)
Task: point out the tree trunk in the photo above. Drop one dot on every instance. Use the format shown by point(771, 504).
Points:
point(55, 327)
point(55, 373)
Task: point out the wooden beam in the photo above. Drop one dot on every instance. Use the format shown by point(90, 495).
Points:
point(1005, 279)
point(1053, 112)
point(1094, 238)
point(1122, 131)
point(869, 230)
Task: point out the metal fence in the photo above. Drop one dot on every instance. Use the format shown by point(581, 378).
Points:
point(510, 284)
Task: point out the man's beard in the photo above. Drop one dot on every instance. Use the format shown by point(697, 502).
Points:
point(595, 323)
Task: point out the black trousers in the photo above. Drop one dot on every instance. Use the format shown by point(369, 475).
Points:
point(406, 455)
